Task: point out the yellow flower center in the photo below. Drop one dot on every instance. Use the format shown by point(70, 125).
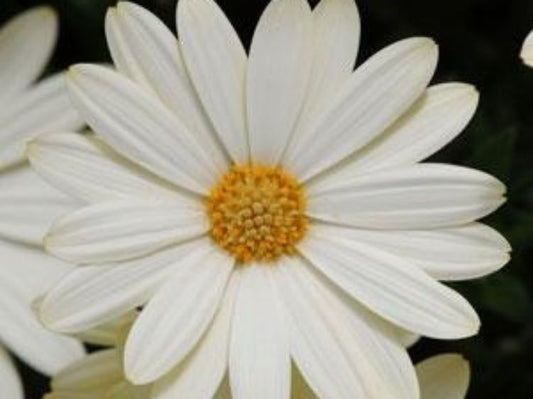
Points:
point(257, 213)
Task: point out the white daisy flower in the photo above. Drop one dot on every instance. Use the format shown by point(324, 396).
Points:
point(527, 50)
point(269, 207)
point(27, 204)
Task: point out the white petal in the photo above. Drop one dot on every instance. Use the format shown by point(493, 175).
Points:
point(281, 57)
point(216, 62)
point(410, 197)
point(26, 43)
point(458, 253)
point(145, 50)
point(377, 94)
point(97, 371)
point(390, 286)
point(340, 351)
point(136, 124)
point(28, 206)
point(27, 273)
point(90, 296)
point(444, 377)
point(526, 52)
point(432, 122)
point(259, 362)
point(175, 319)
point(202, 371)
point(88, 169)
point(10, 383)
point(336, 33)
point(121, 230)
point(43, 108)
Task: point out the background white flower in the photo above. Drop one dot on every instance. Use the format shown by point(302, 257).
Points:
point(101, 373)
point(377, 228)
point(444, 377)
point(527, 50)
point(27, 204)
point(11, 386)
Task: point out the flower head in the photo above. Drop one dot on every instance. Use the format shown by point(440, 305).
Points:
point(267, 209)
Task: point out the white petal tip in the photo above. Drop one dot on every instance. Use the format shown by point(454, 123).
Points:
point(77, 70)
point(46, 12)
point(427, 43)
point(136, 375)
point(111, 13)
point(136, 372)
point(471, 329)
point(126, 7)
point(470, 91)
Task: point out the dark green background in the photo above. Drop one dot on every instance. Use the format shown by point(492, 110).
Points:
point(479, 41)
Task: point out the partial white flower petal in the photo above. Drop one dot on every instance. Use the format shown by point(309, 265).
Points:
point(420, 196)
point(216, 62)
point(299, 387)
point(527, 50)
point(71, 395)
point(93, 295)
point(136, 124)
point(126, 390)
point(107, 334)
point(336, 33)
point(45, 107)
point(408, 339)
point(224, 390)
point(432, 122)
point(177, 316)
point(340, 351)
point(10, 384)
point(281, 58)
point(444, 377)
point(26, 43)
point(201, 372)
point(88, 169)
point(458, 253)
point(26, 274)
point(96, 371)
point(377, 93)
point(259, 362)
point(28, 206)
point(120, 230)
point(144, 49)
point(390, 286)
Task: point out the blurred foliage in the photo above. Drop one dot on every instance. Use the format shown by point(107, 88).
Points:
point(479, 43)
